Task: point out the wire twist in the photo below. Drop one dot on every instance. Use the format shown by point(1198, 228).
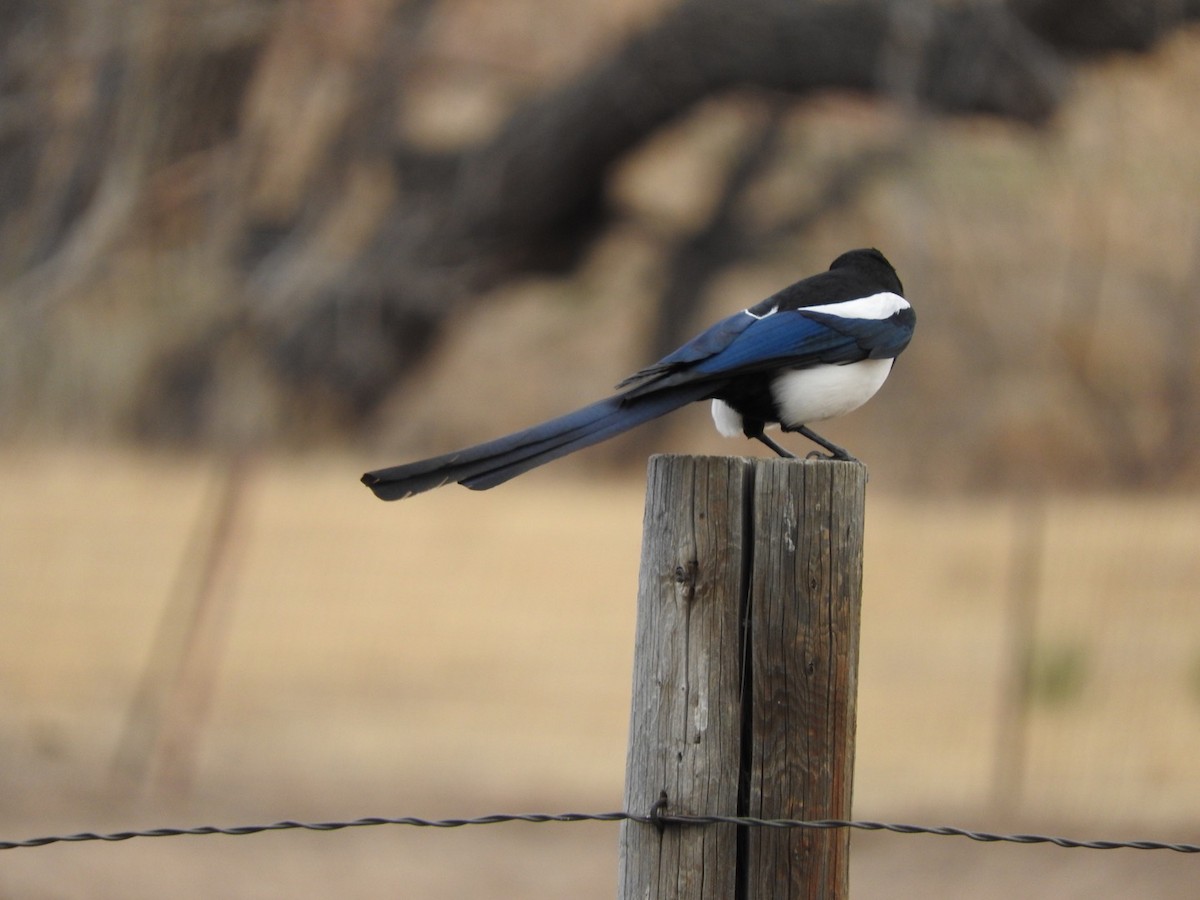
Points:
point(657, 817)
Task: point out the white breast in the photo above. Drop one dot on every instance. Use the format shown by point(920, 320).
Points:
point(824, 392)
point(811, 395)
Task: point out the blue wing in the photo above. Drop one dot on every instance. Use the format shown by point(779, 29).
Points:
point(743, 344)
point(704, 346)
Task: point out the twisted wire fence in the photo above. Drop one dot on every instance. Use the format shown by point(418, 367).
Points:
point(656, 817)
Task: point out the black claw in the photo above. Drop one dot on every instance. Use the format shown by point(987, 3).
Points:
point(835, 452)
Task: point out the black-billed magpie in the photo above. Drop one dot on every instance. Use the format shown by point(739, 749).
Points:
point(815, 350)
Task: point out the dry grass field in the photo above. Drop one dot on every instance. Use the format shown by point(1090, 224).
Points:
point(462, 654)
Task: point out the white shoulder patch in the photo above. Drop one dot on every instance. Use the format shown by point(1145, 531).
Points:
point(770, 312)
point(877, 306)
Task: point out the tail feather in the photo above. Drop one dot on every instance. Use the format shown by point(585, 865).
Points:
point(625, 416)
point(487, 465)
point(398, 482)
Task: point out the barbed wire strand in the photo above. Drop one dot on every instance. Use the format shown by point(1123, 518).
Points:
point(656, 818)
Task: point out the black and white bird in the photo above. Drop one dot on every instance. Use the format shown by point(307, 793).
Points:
point(815, 350)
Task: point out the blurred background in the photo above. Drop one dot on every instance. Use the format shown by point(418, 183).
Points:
point(251, 249)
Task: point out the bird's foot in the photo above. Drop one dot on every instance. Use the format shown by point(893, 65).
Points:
point(842, 457)
point(835, 452)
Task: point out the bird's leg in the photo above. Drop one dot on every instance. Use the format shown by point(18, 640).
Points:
point(786, 454)
point(755, 430)
point(835, 451)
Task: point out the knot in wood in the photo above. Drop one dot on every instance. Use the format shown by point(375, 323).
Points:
point(685, 573)
point(685, 578)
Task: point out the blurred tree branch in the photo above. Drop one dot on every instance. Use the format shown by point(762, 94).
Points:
point(355, 245)
point(532, 197)
point(1091, 27)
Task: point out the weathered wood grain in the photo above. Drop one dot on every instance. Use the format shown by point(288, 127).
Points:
point(805, 597)
point(745, 675)
point(685, 723)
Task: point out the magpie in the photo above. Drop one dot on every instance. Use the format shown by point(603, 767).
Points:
point(812, 351)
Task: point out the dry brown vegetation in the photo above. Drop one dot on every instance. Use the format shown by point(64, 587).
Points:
point(463, 653)
point(269, 222)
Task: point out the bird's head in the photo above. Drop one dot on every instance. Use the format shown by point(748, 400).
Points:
point(873, 264)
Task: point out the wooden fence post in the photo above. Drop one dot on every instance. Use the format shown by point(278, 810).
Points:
point(745, 676)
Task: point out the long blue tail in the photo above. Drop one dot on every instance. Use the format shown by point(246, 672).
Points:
point(487, 465)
